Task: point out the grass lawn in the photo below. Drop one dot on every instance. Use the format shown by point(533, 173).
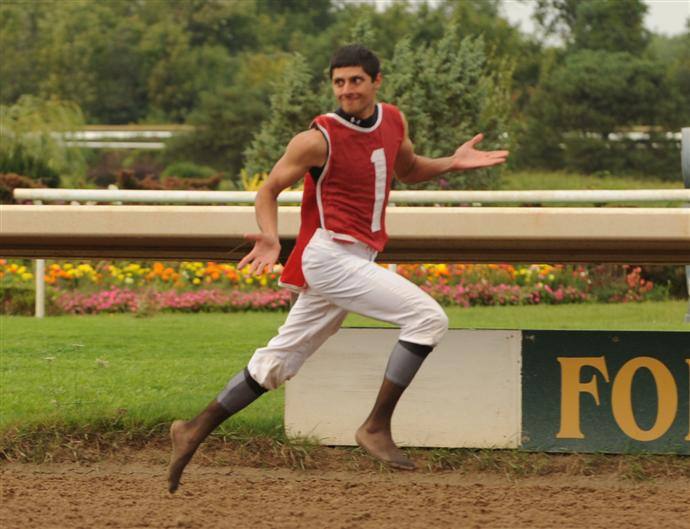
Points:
point(537, 179)
point(71, 372)
point(554, 180)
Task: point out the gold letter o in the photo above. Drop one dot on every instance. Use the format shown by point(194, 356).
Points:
point(621, 399)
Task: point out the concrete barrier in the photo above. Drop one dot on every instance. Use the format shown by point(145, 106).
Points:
point(623, 235)
point(556, 391)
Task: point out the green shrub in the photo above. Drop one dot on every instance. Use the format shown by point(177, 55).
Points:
point(671, 277)
point(657, 157)
point(189, 170)
point(17, 300)
point(20, 162)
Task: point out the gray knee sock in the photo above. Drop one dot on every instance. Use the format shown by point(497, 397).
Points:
point(404, 362)
point(240, 392)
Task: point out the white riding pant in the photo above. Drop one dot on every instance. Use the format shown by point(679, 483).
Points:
point(343, 278)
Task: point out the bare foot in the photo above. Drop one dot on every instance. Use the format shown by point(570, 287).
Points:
point(380, 445)
point(183, 449)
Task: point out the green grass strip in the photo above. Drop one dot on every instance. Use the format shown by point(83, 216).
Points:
point(119, 372)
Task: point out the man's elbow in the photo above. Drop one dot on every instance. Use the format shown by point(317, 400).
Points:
point(268, 191)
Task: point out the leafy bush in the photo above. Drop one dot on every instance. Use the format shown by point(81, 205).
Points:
point(28, 142)
point(449, 92)
point(658, 157)
point(17, 300)
point(189, 170)
point(19, 162)
point(9, 182)
point(128, 180)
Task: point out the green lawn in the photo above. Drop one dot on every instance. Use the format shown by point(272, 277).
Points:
point(74, 371)
point(537, 179)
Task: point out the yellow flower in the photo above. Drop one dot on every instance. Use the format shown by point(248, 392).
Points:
point(28, 276)
point(196, 281)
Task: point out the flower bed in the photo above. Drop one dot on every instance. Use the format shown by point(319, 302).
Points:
point(104, 286)
point(213, 300)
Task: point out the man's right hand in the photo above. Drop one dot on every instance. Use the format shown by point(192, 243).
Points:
point(263, 256)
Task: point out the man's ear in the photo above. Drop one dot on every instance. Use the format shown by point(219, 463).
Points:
point(377, 80)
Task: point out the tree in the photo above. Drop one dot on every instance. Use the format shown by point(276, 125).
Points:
point(673, 54)
point(233, 25)
point(449, 93)
point(178, 79)
point(19, 38)
point(228, 116)
point(598, 91)
point(30, 143)
point(293, 104)
point(613, 25)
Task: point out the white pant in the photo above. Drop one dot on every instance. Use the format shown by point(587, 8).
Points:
point(343, 278)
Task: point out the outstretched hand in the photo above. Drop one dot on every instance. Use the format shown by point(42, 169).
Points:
point(467, 157)
point(263, 256)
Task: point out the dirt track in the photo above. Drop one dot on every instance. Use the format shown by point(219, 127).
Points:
point(133, 495)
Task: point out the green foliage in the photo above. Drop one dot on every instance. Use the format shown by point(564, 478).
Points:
point(449, 92)
point(593, 155)
point(188, 170)
point(599, 91)
point(28, 142)
point(212, 63)
point(228, 116)
point(20, 163)
point(673, 56)
point(17, 300)
point(594, 93)
point(293, 104)
point(173, 92)
point(597, 25)
point(19, 41)
point(87, 52)
point(611, 26)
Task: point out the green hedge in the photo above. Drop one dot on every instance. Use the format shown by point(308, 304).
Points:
point(17, 300)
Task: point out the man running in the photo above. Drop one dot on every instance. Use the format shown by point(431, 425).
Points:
point(348, 159)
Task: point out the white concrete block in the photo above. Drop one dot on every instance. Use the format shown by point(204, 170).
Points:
point(467, 393)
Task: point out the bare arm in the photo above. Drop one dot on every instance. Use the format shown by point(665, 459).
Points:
point(412, 168)
point(307, 149)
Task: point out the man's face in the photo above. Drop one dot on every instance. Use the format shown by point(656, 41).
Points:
point(355, 90)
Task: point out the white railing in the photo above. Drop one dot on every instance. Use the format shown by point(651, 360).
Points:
point(133, 196)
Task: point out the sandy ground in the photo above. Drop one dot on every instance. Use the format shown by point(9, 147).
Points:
point(133, 495)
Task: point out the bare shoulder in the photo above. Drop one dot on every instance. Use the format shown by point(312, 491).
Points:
point(309, 146)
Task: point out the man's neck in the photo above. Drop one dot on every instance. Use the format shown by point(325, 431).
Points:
point(366, 122)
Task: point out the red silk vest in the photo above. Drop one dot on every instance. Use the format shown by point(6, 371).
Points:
point(350, 196)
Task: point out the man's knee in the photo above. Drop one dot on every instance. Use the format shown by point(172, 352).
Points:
point(428, 327)
point(436, 324)
point(271, 372)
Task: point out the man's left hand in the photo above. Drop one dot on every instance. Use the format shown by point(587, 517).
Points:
point(467, 157)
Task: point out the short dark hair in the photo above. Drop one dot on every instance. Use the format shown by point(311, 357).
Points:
point(356, 55)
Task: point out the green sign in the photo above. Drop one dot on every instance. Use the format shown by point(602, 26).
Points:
point(605, 391)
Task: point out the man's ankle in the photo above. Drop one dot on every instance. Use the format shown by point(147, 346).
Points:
point(375, 428)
